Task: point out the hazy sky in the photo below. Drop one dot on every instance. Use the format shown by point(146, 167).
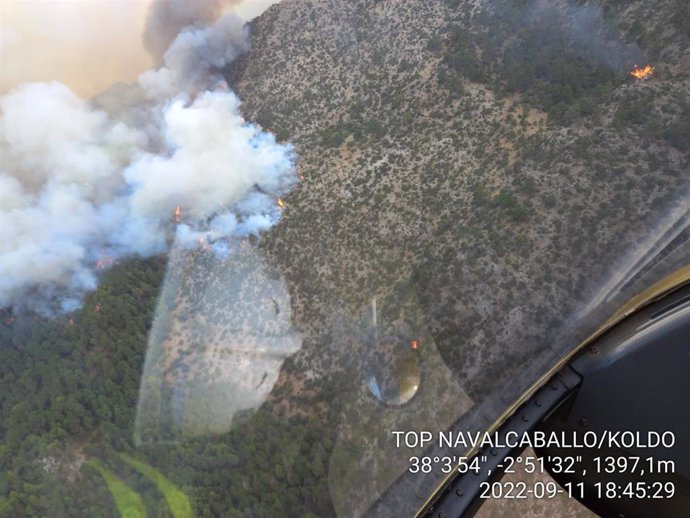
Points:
point(86, 44)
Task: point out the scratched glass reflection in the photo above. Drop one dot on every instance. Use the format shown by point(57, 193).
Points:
point(221, 334)
point(405, 385)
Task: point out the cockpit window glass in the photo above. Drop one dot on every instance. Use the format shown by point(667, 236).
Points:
point(314, 234)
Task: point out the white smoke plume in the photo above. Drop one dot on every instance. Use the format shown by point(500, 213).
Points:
point(83, 184)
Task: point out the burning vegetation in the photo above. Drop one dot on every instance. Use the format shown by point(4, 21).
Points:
point(641, 73)
point(123, 174)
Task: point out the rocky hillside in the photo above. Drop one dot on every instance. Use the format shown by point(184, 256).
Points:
point(424, 157)
point(496, 157)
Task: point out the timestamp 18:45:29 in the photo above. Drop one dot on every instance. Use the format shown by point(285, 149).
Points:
point(638, 490)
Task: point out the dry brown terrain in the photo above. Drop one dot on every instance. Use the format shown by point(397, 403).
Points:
point(494, 222)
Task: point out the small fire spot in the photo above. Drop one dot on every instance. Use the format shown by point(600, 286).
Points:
point(641, 73)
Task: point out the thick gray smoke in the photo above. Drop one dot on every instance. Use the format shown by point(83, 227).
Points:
point(168, 17)
point(84, 184)
point(590, 33)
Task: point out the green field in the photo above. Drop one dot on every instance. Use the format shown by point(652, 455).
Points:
point(178, 502)
point(127, 500)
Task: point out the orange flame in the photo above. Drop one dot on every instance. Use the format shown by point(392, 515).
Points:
point(281, 203)
point(641, 73)
point(177, 214)
point(414, 344)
